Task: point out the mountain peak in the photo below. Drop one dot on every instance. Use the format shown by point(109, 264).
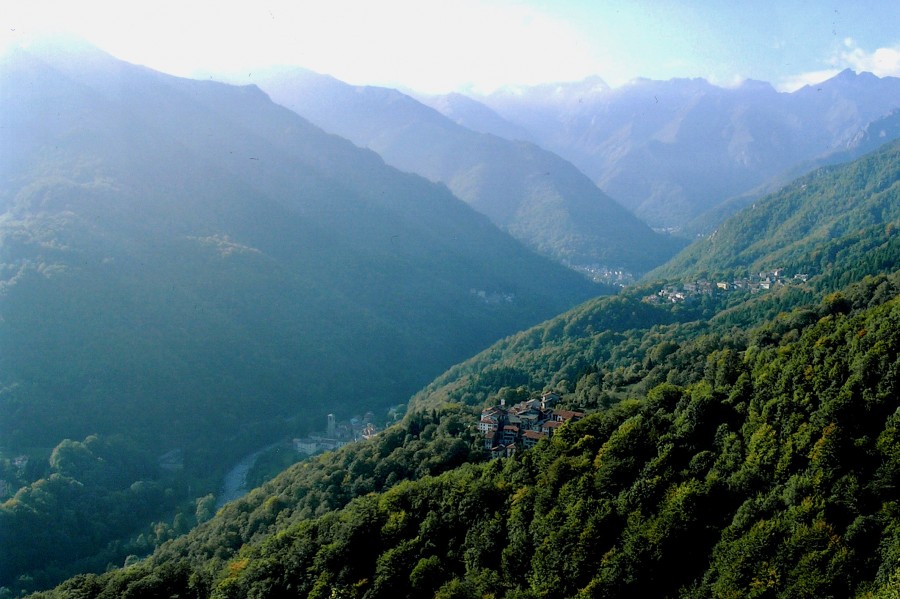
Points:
point(756, 85)
point(849, 76)
point(62, 49)
point(561, 92)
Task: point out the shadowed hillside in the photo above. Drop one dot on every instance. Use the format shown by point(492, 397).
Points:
point(188, 269)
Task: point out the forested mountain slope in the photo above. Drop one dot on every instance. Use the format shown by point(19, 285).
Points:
point(737, 444)
point(849, 210)
point(189, 269)
point(836, 226)
point(771, 475)
point(873, 136)
point(538, 197)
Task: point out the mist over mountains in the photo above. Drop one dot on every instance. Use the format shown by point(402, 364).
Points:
point(671, 150)
point(193, 247)
point(474, 115)
point(541, 199)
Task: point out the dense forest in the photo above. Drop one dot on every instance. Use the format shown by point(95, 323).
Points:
point(737, 444)
point(769, 472)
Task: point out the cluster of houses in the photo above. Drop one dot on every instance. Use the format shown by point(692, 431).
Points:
point(764, 281)
point(603, 274)
point(493, 297)
point(507, 429)
point(337, 434)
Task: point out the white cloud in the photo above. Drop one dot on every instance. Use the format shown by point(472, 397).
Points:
point(795, 82)
point(730, 82)
point(883, 62)
point(439, 46)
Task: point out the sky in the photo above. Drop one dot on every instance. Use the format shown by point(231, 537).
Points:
point(477, 46)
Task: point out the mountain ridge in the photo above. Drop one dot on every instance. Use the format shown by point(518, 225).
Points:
point(539, 198)
point(185, 262)
point(670, 150)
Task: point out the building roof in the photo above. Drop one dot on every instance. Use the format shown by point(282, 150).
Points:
point(527, 405)
point(568, 414)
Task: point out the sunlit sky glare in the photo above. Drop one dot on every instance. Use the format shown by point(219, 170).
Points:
point(479, 45)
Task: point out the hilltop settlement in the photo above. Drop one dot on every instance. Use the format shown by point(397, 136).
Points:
point(506, 430)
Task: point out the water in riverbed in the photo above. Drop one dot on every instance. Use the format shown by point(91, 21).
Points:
point(235, 484)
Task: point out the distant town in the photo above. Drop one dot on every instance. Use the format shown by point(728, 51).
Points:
point(764, 281)
point(616, 277)
point(337, 434)
point(493, 298)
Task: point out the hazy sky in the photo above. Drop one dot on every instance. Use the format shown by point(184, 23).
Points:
point(438, 46)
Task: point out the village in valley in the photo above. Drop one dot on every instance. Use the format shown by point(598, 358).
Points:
point(686, 292)
point(337, 434)
point(521, 426)
point(616, 277)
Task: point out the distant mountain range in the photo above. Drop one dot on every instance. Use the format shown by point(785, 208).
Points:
point(672, 150)
point(474, 115)
point(188, 262)
point(541, 199)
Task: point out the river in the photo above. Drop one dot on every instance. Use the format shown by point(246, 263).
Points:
point(235, 484)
